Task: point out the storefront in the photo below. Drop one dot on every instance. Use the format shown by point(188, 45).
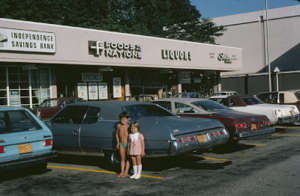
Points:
point(39, 61)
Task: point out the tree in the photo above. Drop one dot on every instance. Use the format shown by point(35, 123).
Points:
point(176, 19)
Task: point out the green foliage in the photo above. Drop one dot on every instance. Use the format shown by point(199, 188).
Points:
point(176, 19)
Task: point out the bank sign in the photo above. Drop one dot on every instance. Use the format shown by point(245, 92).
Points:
point(27, 41)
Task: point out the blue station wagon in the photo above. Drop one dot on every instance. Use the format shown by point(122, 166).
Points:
point(24, 140)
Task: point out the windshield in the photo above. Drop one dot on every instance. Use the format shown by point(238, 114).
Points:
point(49, 103)
point(211, 106)
point(251, 100)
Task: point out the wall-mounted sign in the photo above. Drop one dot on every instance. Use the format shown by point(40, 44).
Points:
point(28, 67)
point(102, 86)
point(27, 41)
point(176, 55)
point(14, 97)
point(115, 50)
point(82, 90)
point(226, 57)
point(91, 77)
point(105, 69)
point(117, 88)
point(93, 91)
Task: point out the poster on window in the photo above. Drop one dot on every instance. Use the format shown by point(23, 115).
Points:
point(14, 97)
point(102, 90)
point(93, 91)
point(117, 88)
point(82, 90)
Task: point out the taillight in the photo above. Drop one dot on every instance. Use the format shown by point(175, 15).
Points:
point(241, 126)
point(2, 149)
point(180, 141)
point(48, 142)
point(193, 138)
point(267, 122)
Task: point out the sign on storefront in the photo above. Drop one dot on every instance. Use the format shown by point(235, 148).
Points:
point(27, 41)
point(102, 90)
point(82, 90)
point(117, 88)
point(92, 77)
point(93, 91)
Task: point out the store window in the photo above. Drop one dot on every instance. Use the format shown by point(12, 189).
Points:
point(17, 82)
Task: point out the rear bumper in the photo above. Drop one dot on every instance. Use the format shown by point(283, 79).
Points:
point(27, 160)
point(254, 133)
point(288, 119)
point(176, 148)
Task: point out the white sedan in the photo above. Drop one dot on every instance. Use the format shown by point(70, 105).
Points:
point(278, 114)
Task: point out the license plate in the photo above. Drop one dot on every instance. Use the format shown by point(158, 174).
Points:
point(291, 112)
point(253, 127)
point(25, 148)
point(201, 138)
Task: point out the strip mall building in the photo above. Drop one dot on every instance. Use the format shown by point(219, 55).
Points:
point(39, 61)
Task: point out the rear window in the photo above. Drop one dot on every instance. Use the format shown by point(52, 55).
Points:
point(297, 94)
point(17, 121)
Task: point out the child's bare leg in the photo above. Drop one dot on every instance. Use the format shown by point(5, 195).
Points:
point(123, 156)
point(126, 167)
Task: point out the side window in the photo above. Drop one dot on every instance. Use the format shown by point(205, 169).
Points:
point(71, 115)
point(231, 103)
point(281, 97)
point(91, 116)
point(182, 108)
point(22, 121)
point(166, 105)
point(3, 124)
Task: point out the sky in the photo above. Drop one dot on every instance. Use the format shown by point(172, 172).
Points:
point(218, 8)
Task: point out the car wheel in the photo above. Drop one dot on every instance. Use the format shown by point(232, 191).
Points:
point(112, 158)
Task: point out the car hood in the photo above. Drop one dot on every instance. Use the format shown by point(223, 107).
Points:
point(181, 125)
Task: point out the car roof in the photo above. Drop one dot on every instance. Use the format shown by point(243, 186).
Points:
point(4, 107)
point(63, 98)
point(187, 100)
point(110, 103)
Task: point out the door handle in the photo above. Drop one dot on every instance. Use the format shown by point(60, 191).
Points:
point(75, 132)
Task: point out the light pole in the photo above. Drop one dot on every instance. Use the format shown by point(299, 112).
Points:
point(268, 61)
point(276, 70)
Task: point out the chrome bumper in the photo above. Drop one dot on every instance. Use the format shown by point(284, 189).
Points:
point(176, 148)
point(27, 160)
point(288, 119)
point(254, 133)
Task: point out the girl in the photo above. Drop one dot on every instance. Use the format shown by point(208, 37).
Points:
point(136, 149)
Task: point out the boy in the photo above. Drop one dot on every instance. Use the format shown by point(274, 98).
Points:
point(122, 138)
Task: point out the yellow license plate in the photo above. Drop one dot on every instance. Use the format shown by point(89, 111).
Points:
point(253, 127)
point(291, 112)
point(201, 138)
point(25, 148)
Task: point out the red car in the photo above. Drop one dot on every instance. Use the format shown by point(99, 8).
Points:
point(49, 107)
point(240, 125)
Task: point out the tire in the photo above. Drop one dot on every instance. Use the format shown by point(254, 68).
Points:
point(112, 158)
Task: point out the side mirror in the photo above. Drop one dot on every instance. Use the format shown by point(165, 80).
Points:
point(48, 123)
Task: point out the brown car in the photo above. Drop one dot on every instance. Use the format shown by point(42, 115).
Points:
point(289, 97)
point(49, 107)
point(240, 125)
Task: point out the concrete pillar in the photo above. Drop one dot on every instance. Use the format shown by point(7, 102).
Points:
point(179, 86)
point(127, 85)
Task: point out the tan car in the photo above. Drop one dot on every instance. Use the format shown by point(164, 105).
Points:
point(289, 97)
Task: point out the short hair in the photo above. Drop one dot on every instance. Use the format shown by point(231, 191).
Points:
point(135, 124)
point(123, 115)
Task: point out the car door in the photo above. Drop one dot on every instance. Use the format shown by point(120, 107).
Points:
point(97, 133)
point(66, 128)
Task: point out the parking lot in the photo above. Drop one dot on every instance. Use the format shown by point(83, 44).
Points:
point(266, 166)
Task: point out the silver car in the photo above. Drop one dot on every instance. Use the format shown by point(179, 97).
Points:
point(88, 128)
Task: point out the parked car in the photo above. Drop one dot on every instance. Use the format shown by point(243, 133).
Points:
point(24, 140)
point(240, 125)
point(143, 98)
point(49, 107)
point(289, 97)
point(278, 114)
point(187, 95)
point(225, 93)
point(88, 128)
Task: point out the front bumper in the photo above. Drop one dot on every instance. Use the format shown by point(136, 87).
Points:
point(176, 148)
point(26, 160)
point(288, 119)
point(254, 133)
